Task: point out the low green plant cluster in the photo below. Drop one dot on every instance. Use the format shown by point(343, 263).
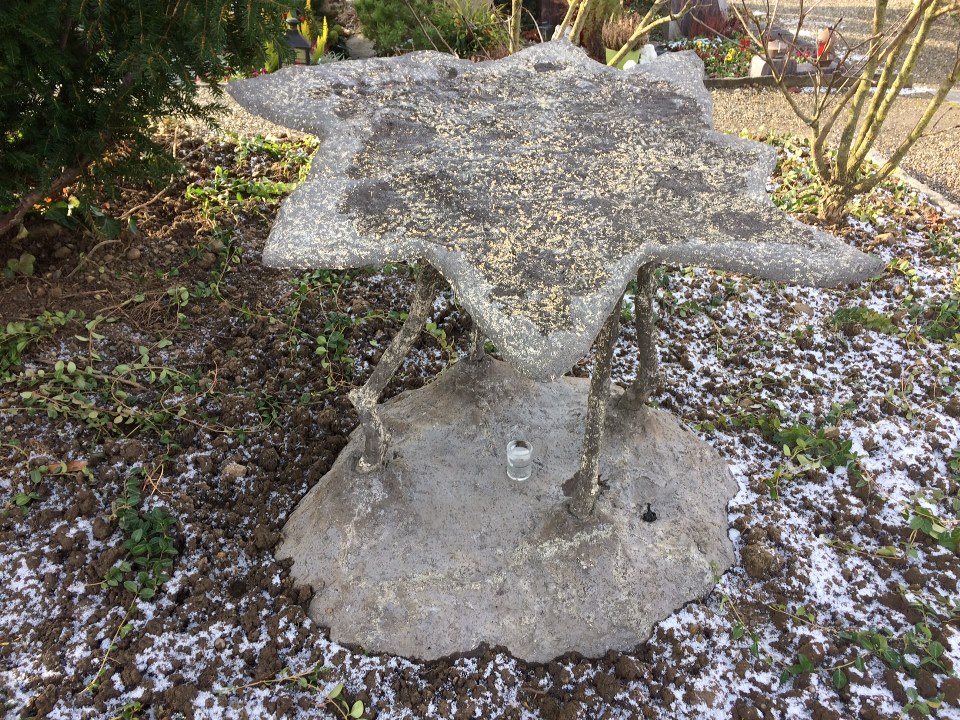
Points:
point(850, 317)
point(150, 553)
point(149, 545)
point(312, 679)
point(810, 449)
point(38, 472)
point(940, 320)
point(462, 27)
point(145, 394)
point(936, 515)
point(109, 400)
point(808, 445)
point(16, 337)
point(230, 189)
point(909, 651)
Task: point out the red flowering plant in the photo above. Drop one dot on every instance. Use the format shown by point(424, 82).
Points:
point(722, 57)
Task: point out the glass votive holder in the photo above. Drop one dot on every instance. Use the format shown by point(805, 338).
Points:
point(519, 460)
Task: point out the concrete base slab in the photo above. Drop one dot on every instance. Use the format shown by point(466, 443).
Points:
point(441, 551)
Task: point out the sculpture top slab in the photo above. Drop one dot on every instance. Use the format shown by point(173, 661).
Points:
point(536, 185)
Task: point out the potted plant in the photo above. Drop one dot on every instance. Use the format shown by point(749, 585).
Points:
point(617, 32)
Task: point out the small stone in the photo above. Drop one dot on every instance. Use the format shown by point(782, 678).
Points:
point(802, 309)
point(133, 254)
point(233, 471)
point(207, 260)
point(61, 252)
point(359, 47)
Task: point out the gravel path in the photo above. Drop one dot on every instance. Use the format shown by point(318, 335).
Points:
point(855, 20)
point(934, 159)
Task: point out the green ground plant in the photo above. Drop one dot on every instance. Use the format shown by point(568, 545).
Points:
point(16, 337)
point(312, 679)
point(936, 515)
point(464, 28)
point(150, 553)
point(230, 189)
point(149, 545)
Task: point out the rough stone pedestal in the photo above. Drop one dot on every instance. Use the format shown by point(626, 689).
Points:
point(440, 551)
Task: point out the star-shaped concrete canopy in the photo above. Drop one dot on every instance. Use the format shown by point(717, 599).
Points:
point(536, 185)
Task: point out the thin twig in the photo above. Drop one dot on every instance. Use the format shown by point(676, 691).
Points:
point(86, 257)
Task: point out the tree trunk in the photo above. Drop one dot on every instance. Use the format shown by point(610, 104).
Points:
point(832, 208)
point(703, 19)
point(11, 220)
point(552, 11)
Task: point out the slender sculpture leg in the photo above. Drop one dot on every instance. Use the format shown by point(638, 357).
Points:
point(586, 483)
point(477, 342)
point(365, 399)
point(645, 383)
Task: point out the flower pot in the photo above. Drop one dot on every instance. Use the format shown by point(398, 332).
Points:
point(635, 56)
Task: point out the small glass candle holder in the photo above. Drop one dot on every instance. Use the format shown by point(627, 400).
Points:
point(519, 460)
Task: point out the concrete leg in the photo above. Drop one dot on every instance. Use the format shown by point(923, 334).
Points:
point(477, 341)
point(645, 383)
point(366, 398)
point(586, 483)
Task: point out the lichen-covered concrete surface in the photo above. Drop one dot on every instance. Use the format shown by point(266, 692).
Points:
point(536, 185)
point(440, 551)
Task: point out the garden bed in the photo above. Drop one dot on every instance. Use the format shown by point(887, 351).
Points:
point(166, 401)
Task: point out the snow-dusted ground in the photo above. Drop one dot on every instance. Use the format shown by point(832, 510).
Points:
point(824, 555)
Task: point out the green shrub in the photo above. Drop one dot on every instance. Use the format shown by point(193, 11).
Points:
point(463, 27)
point(80, 83)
